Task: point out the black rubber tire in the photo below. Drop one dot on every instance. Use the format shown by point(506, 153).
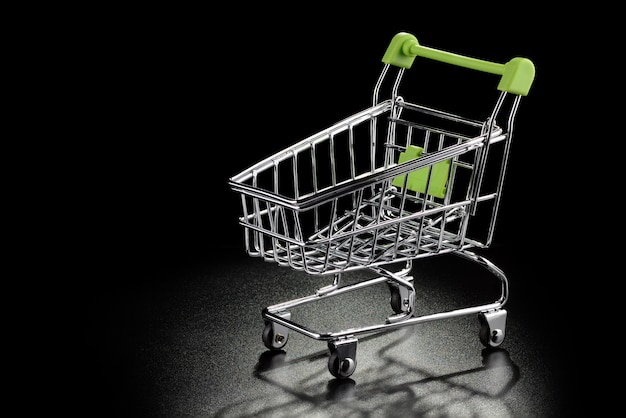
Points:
point(269, 339)
point(340, 369)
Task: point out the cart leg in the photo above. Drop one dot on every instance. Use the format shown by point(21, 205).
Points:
point(342, 360)
point(492, 327)
point(275, 336)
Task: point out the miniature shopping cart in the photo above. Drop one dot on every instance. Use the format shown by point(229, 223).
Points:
point(396, 182)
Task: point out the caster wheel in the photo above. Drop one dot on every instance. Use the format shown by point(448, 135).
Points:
point(402, 298)
point(342, 359)
point(274, 335)
point(396, 298)
point(492, 326)
point(341, 367)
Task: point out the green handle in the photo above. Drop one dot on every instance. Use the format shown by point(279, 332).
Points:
point(517, 74)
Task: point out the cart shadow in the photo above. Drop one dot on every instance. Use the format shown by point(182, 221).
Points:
point(416, 389)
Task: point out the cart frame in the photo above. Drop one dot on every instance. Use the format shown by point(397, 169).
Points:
point(381, 189)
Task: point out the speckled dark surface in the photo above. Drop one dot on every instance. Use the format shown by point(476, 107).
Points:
point(189, 344)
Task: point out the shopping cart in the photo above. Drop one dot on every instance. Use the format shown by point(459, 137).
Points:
point(396, 182)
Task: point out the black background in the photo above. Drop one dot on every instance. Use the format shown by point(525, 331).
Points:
point(171, 103)
point(183, 104)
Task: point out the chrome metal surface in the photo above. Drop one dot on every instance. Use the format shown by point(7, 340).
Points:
point(340, 201)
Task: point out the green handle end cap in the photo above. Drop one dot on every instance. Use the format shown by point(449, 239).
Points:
point(399, 50)
point(518, 76)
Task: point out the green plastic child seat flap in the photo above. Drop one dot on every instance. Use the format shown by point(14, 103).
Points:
point(418, 178)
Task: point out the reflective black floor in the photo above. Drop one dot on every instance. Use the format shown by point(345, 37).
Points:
point(186, 341)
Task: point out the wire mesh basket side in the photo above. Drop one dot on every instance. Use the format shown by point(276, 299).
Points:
point(340, 200)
